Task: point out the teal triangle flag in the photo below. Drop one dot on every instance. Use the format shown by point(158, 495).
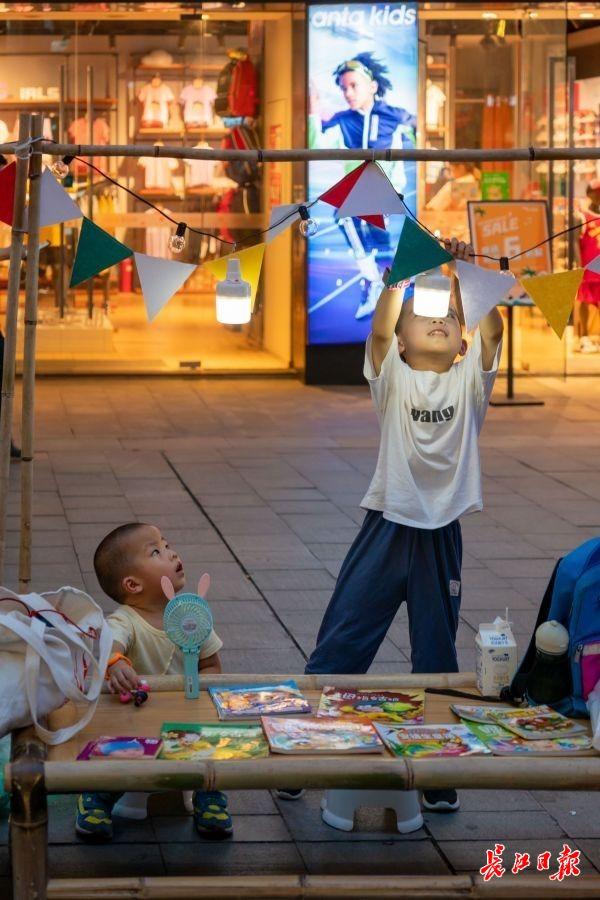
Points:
point(416, 252)
point(96, 251)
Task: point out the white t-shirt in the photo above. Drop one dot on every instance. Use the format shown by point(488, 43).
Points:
point(198, 104)
point(428, 471)
point(157, 172)
point(156, 103)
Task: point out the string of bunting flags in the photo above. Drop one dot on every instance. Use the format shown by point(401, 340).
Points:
point(366, 193)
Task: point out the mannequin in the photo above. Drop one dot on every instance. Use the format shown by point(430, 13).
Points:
point(197, 100)
point(156, 96)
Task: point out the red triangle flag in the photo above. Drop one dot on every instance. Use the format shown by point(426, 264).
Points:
point(378, 221)
point(336, 195)
point(7, 192)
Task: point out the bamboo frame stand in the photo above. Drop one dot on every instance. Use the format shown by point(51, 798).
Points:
point(36, 771)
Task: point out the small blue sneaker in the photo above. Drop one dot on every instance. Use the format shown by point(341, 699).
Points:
point(211, 817)
point(94, 816)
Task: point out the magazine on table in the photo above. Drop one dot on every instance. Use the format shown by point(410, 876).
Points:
point(537, 723)
point(212, 740)
point(482, 714)
point(504, 743)
point(422, 741)
point(121, 747)
point(319, 736)
point(251, 701)
point(385, 706)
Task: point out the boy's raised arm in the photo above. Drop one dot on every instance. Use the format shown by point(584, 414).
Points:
point(492, 325)
point(385, 319)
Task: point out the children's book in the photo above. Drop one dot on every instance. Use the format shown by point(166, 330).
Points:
point(212, 740)
point(312, 735)
point(537, 723)
point(121, 748)
point(421, 741)
point(504, 743)
point(384, 706)
point(250, 701)
point(483, 714)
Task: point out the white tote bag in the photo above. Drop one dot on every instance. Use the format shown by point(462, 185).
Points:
point(54, 647)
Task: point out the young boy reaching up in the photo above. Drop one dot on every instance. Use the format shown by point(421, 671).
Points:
point(431, 408)
point(129, 564)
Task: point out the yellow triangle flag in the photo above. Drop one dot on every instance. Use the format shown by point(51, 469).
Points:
point(554, 295)
point(250, 263)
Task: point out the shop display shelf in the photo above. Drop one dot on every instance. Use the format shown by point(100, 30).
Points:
point(98, 103)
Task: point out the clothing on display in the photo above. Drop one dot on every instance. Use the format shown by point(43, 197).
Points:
point(78, 132)
point(200, 171)
point(156, 97)
point(4, 132)
point(435, 99)
point(589, 248)
point(497, 129)
point(198, 100)
point(157, 236)
point(158, 173)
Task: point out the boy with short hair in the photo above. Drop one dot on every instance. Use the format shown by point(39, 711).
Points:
point(431, 409)
point(129, 564)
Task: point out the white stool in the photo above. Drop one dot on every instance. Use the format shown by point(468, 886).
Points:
point(134, 805)
point(338, 807)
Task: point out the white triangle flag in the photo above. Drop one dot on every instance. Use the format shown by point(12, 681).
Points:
point(373, 194)
point(55, 204)
point(594, 265)
point(480, 290)
point(281, 218)
point(159, 280)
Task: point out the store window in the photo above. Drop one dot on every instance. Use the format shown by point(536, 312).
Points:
point(151, 74)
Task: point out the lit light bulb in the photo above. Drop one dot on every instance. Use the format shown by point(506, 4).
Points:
point(233, 296)
point(177, 240)
point(308, 227)
point(60, 167)
point(432, 295)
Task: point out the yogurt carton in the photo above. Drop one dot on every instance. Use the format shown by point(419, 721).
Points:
point(496, 657)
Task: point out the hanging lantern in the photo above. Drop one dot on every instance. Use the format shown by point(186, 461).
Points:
point(308, 227)
point(234, 296)
point(177, 240)
point(432, 295)
point(60, 167)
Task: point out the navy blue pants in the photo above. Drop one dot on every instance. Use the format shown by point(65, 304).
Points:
point(389, 564)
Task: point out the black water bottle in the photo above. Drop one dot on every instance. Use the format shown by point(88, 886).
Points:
point(550, 678)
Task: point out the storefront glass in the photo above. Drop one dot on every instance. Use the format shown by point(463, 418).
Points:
point(148, 73)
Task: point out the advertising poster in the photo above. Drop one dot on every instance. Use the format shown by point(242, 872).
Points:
point(362, 71)
point(503, 228)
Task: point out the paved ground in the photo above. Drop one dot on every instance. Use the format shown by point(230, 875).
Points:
point(259, 482)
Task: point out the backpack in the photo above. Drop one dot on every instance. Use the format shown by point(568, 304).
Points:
point(573, 599)
point(237, 90)
point(244, 172)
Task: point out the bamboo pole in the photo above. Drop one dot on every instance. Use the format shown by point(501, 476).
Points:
point(580, 773)
point(452, 680)
point(10, 331)
point(517, 154)
point(28, 403)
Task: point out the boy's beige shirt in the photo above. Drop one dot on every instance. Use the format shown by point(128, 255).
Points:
point(149, 649)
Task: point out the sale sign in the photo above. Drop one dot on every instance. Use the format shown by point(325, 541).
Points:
point(506, 228)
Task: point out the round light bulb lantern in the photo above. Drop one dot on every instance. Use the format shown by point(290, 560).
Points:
point(308, 227)
point(432, 294)
point(234, 296)
point(60, 167)
point(177, 240)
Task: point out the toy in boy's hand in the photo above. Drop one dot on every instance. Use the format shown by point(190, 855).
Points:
point(139, 696)
point(188, 621)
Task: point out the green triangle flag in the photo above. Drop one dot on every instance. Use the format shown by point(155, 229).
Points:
point(416, 252)
point(96, 251)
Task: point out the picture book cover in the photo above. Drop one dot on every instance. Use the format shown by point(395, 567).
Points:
point(537, 723)
point(504, 743)
point(313, 735)
point(483, 714)
point(422, 741)
point(121, 748)
point(255, 700)
point(212, 740)
point(385, 706)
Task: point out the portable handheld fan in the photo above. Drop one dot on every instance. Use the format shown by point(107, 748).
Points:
point(188, 622)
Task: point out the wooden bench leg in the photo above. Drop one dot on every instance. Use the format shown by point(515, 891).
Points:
point(28, 821)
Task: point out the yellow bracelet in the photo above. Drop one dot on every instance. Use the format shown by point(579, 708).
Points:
point(115, 659)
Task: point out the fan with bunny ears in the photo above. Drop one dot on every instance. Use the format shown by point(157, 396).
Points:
point(188, 621)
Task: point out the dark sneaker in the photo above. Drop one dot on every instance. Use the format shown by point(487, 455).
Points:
point(15, 452)
point(441, 801)
point(289, 793)
point(211, 818)
point(94, 816)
